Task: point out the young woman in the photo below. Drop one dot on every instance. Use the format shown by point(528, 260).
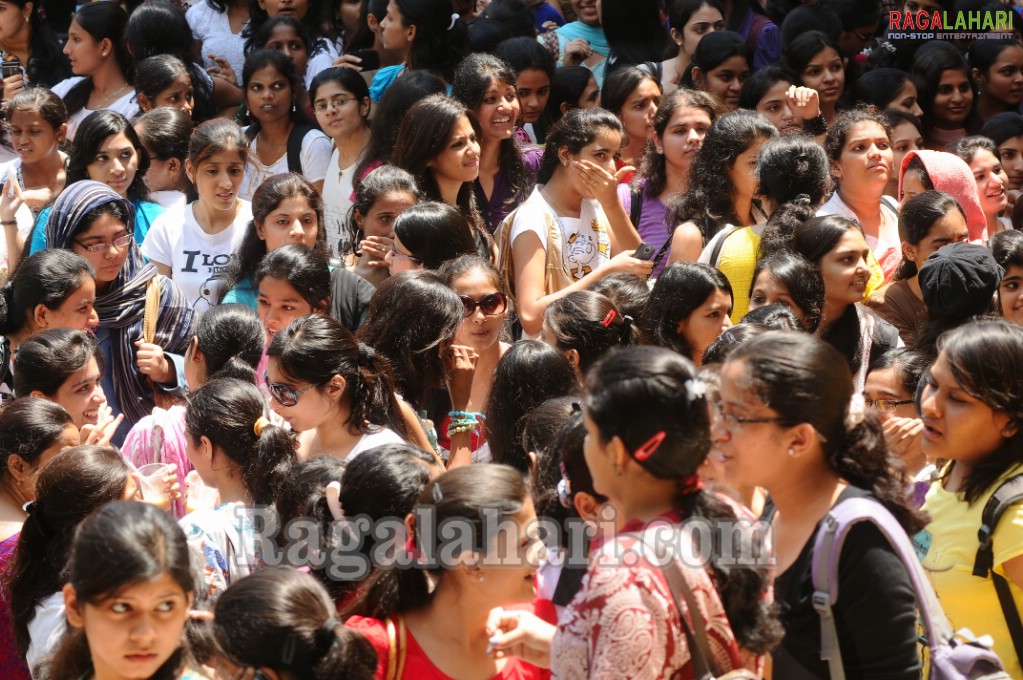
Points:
point(507, 175)
point(292, 282)
point(27, 38)
point(341, 103)
point(280, 138)
point(351, 405)
point(946, 89)
point(311, 52)
point(193, 244)
point(635, 34)
point(720, 66)
point(572, 230)
point(234, 448)
point(888, 88)
point(816, 61)
point(286, 605)
point(633, 96)
point(792, 178)
point(906, 137)
point(91, 220)
point(426, 236)
point(926, 170)
point(217, 27)
point(438, 144)
point(101, 64)
point(108, 150)
point(37, 123)
point(689, 21)
point(789, 279)
point(32, 431)
point(1007, 247)
point(126, 556)
point(165, 133)
point(689, 307)
point(928, 221)
point(773, 91)
point(286, 210)
point(573, 87)
point(1006, 131)
point(998, 71)
point(982, 156)
point(164, 80)
point(784, 423)
point(534, 75)
point(228, 343)
point(860, 147)
point(890, 390)
point(970, 405)
point(445, 627)
point(70, 488)
point(584, 326)
point(647, 433)
point(722, 184)
point(382, 196)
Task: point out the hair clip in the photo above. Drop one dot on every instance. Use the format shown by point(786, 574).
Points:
point(333, 495)
point(564, 493)
point(438, 495)
point(260, 425)
point(695, 389)
point(648, 448)
point(609, 318)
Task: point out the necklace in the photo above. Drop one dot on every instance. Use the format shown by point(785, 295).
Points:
point(552, 204)
point(111, 98)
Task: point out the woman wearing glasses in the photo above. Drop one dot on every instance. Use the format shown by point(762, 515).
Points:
point(426, 236)
point(341, 104)
point(91, 220)
point(891, 385)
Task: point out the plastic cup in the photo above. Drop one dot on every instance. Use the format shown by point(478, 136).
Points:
point(152, 481)
point(199, 496)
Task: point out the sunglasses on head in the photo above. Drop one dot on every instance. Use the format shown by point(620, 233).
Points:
point(492, 304)
point(283, 394)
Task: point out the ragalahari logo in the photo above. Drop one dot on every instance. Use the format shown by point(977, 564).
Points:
point(946, 25)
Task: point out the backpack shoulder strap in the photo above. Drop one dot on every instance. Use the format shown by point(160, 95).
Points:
point(295, 138)
point(1010, 492)
point(636, 205)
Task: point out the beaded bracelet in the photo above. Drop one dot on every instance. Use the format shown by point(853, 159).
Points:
point(475, 415)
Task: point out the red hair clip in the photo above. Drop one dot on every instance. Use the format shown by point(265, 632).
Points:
point(609, 318)
point(648, 448)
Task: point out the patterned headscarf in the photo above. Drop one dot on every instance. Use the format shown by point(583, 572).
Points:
point(122, 307)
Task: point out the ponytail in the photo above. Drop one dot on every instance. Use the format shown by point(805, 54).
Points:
point(591, 324)
point(347, 653)
point(231, 339)
point(264, 473)
point(374, 398)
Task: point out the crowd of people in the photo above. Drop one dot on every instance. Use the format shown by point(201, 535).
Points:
point(508, 339)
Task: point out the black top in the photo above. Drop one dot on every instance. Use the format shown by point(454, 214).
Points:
point(349, 298)
point(875, 614)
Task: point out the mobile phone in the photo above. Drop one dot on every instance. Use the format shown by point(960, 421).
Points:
point(644, 252)
point(10, 68)
point(370, 59)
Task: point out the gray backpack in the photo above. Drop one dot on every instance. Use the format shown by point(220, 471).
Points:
point(950, 657)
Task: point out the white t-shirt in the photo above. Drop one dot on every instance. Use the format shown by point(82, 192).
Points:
point(384, 435)
point(170, 200)
point(337, 193)
point(23, 216)
point(127, 105)
point(197, 260)
point(321, 60)
point(315, 156)
point(213, 30)
point(46, 629)
point(585, 243)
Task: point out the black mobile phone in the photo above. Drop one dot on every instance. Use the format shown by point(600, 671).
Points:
point(370, 59)
point(644, 252)
point(10, 68)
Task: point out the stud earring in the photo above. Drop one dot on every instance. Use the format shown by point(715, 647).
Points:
point(792, 452)
point(479, 577)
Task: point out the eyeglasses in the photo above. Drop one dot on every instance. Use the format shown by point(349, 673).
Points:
point(886, 405)
point(397, 253)
point(492, 304)
point(335, 103)
point(732, 421)
point(101, 247)
point(283, 394)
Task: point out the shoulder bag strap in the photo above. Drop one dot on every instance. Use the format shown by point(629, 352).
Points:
point(1010, 491)
point(295, 138)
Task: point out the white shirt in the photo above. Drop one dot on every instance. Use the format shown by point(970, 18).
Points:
point(46, 629)
point(382, 436)
point(338, 185)
point(315, 156)
point(213, 30)
point(127, 105)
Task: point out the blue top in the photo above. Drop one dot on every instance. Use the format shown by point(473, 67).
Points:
point(382, 80)
point(145, 213)
point(543, 13)
point(243, 293)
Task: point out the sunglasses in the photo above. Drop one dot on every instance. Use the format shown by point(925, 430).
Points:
point(492, 304)
point(283, 394)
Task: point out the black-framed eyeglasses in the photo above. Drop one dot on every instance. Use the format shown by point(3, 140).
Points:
point(731, 421)
point(492, 304)
point(284, 395)
point(101, 247)
point(886, 405)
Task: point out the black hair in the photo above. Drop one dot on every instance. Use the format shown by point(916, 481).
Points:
point(794, 172)
point(681, 11)
point(316, 19)
point(589, 323)
point(47, 65)
point(268, 197)
point(524, 53)
point(708, 200)
point(266, 58)
point(777, 317)
point(347, 78)
point(1003, 126)
point(986, 359)
point(68, 489)
point(715, 49)
point(1007, 247)
point(917, 217)
point(567, 87)
point(653, 165)
point(283, 619)
point(102, 21)
point(303, 269)
point(967, 147)
point(801, 50)
point(930, 61)
point(434, 233)
point(984, 52)
point(539, 437)
point(47, 278)
point(42, 100)
point(384, 180)
point(639, 392)
point(45, 361)
point(390, 111)
point(261, 35)
point(838, 132)
point(462, 494)
point(855, 13)
point(619, 86)
point(680, 289)
point(515, 18)
point(800, 277)
point(225, 411)
point(568, 447)
point(166, 131)
point(635, 33)
point(410, 319)
point(879, 87)
point(159, 27)
point(231, 340)
point(93, 131)
point(28, 427)
point(628, 292)
point(316, 348)
point(908, 364)
point(528, 374)
point(576, 129)
point(805, 18)
point(439, 43)
point(210, 138)
point(119, 545)
point(762, 80)
point(718, 351)
point(805, 380)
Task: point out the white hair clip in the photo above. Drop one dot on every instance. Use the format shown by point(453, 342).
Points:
point(333, 495)
point(454, 18)
point(695, 389)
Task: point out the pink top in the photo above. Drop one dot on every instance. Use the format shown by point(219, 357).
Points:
point(139, 446)
point(951, 174)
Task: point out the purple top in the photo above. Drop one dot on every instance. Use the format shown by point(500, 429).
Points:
point(12, 664)
point(652, 227)
point(501, 201)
